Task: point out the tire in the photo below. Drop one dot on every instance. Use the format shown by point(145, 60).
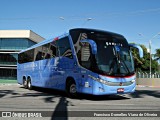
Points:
point(29, 84)
point(71, 89)
point(25, 83)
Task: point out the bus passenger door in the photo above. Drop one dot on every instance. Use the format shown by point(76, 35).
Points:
point(65, 61)
point(87, 51)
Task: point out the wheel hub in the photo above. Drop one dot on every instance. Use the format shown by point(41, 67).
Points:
point(73, 88)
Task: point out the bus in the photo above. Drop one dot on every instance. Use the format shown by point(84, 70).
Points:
point(84, 60)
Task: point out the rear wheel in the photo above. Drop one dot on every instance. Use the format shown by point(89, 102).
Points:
point(29, 85)
point(25, 83)
point(71, 89)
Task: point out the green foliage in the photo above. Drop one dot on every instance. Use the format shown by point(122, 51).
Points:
point(157, 55)
point(143, 64)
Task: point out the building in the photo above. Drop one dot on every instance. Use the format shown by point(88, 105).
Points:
point(11, 42)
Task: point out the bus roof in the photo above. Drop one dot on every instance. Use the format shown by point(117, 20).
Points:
point(95, 30)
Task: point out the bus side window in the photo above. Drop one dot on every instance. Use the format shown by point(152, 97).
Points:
point(64, 48)
point(39, 56)
point(48, 56)
point(30, 55)
point(46, 51)
point(54, 51)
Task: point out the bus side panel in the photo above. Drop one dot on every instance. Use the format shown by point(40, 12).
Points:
point(85, 83)
point(19, 74)
point(44, 74)
point(35, 75)
point(24, 70)
point(65, 69)
point(51, 73)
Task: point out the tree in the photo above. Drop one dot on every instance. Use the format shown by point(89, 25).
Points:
point(157, 57)
point(157, 54)
point(143, 64)
point(137, 61)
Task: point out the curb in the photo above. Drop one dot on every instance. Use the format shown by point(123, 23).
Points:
point(8, 83)
point(148, 86)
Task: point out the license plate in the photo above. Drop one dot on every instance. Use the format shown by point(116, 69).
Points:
point(120, 90)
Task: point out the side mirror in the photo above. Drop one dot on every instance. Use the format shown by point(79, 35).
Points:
point(92, 44)
point(139, 49)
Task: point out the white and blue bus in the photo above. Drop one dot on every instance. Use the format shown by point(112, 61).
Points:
point(81, 61)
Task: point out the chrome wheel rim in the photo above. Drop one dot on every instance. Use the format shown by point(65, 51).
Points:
point(73, 88)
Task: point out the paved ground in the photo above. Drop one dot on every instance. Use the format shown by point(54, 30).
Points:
point(16, 99)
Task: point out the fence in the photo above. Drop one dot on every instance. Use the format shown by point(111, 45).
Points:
point(147, 79)
point(147, 75)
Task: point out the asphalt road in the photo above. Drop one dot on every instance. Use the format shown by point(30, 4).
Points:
point(23, 103)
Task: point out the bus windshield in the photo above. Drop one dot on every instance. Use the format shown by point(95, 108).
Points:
point(113, 55)
point(112, 62)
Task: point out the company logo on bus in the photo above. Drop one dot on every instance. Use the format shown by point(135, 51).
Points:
point(113, 44)
point(120, 84)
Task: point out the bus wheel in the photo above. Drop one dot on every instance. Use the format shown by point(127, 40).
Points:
point(29, 85)
point(25, 83)
point(71, 89)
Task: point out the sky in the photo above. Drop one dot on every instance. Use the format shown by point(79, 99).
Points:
point(137, 20)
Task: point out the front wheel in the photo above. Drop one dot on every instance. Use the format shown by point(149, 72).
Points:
point(71, 89)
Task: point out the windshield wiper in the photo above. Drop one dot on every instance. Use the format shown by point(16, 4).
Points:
point(114, 61)
point(124, 64)
point(118, 69)
point(118, 60)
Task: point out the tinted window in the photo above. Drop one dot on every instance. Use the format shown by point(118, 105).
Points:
point(8, 58)
point(53, 49)
point(39, 55)
point(15, 43)
point(97, 36)
point(27, 56)
point(46, 51)
point(113, 56)
point(64, 47)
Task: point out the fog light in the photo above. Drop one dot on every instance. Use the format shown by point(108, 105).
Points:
point(133, 81)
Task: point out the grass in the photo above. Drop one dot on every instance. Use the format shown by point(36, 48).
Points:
point(7, 81)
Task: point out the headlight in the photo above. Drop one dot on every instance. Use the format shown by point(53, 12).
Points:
point(109, 83)
point(133, 80)
point(99, 80)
